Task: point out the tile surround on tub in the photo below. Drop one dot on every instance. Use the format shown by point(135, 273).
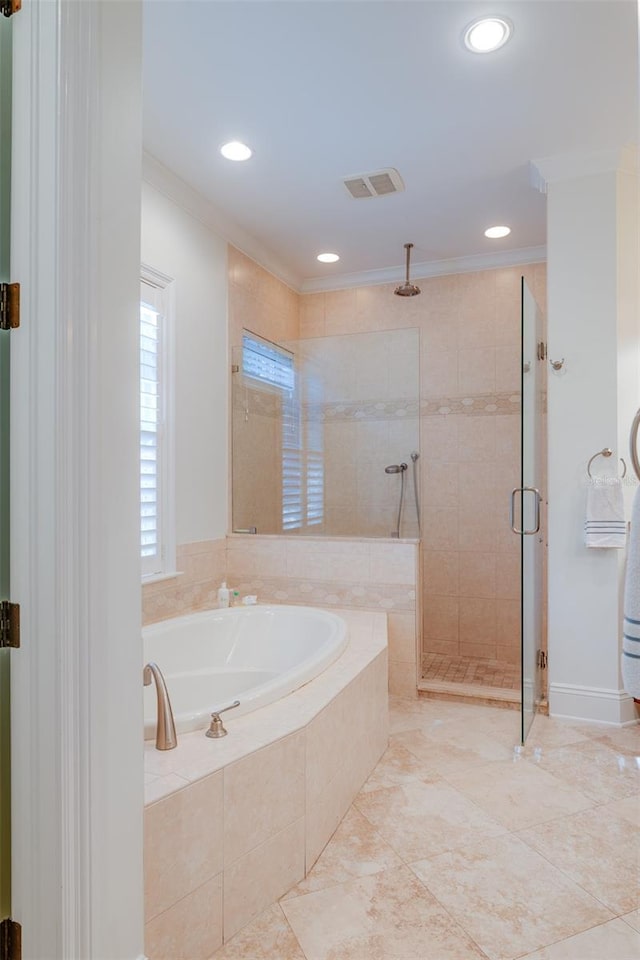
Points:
point(179, 854)
point(237, 833)
point(191, 928)
point(279, 769)
point(262, 876)
point(331, 594)
point(356, 573)
point(203, 567)
point(362, 574)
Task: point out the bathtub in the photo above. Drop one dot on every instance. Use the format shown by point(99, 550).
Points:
point(252, 654)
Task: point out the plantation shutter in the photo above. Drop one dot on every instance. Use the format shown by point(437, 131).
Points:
point(292, 464)
point(302, 453)
point(267, 362)
point(150, 430)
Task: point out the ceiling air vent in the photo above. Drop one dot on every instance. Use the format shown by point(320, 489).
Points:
point(378, 184)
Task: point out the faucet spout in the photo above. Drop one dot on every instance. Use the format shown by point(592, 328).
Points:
point(166, 738)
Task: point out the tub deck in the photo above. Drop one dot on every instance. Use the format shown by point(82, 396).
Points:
point(232, 825)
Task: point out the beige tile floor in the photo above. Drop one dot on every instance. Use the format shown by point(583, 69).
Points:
point(458, 847)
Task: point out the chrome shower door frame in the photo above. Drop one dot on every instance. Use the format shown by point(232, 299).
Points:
point(532, 596)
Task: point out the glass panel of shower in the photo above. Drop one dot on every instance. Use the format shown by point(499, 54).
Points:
point(325, 435)
point(530, 503)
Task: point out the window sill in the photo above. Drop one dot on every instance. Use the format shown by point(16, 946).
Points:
point(158, 577)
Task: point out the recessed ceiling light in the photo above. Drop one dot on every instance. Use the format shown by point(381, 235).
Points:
point(328, 257)
point(487, 34)
point(495, 233)
point(234, 150)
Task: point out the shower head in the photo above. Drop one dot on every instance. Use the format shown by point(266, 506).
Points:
point(407, 289)
point(395, 468)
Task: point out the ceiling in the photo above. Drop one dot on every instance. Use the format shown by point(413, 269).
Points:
point(323, 90)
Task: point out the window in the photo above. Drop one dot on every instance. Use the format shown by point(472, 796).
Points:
point(302, 453)
point(157, 537)
point(267, 362)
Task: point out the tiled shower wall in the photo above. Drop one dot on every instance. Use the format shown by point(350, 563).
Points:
point(261, 303)
point(362, 391)
point(469, 411)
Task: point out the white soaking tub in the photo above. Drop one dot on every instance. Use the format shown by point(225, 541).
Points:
point(254, 654)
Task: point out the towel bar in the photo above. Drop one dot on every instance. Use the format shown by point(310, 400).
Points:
point(633, 444)
point(606, 452)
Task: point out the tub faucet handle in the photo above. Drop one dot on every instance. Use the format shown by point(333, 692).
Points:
point(217, 729)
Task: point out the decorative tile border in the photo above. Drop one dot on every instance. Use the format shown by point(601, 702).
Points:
point(362, 410)
point(265, 404)
point(488, 404)
point(400, 598)
point(203, 566)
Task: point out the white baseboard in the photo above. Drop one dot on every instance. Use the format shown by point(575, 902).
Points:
point(591, 703)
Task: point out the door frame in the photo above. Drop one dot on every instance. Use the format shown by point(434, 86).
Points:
point(77, 780)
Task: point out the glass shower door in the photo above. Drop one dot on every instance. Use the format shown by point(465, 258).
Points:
point(529, 496)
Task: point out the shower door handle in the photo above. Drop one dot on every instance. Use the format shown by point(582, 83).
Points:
point(534, 490)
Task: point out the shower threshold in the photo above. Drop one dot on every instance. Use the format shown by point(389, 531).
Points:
point(470, 679)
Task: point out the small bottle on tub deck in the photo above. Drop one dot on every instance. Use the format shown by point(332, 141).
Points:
point(223, 595)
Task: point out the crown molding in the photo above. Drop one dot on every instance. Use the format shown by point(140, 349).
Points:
point(166, 182)
point(422, 271)
point(571, 166)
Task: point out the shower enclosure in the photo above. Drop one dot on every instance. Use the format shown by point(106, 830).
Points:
point(484, 524)
point(439, 420)
point(316, 424)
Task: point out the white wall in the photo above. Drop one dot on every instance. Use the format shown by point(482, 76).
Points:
point(182, 247)
point(593, 324)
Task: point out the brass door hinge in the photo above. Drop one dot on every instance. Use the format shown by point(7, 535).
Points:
point(9, 7)
point(9, 306)
point(9, 624)
point(542, 660)
point(542, 350)
point(10, 940)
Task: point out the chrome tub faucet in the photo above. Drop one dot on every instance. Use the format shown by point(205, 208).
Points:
point(166, 738)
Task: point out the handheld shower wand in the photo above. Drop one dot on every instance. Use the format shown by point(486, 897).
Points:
point(415, 456)
point(400, 468)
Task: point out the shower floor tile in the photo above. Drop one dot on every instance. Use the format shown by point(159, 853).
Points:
point(471, 671)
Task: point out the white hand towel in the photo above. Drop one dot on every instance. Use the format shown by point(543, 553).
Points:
point(630, 659)
point(605, 525)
